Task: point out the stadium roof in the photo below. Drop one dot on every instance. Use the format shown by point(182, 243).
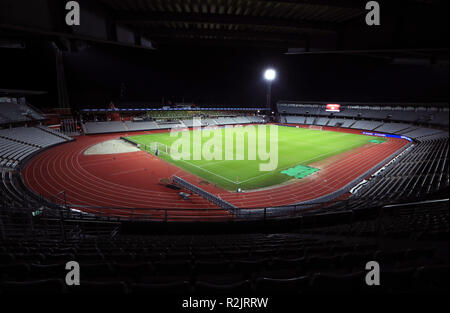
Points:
point(20, 93)
point(413, 27)
point(299, 26)
point(254, 22)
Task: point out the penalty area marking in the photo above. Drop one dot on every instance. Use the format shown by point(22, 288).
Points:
point(290, 165)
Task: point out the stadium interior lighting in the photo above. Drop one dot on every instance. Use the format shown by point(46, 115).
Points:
point(270, 74)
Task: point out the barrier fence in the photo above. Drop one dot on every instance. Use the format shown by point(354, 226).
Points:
point(205, 194)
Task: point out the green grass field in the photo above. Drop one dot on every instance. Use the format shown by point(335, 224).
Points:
point(296, 146)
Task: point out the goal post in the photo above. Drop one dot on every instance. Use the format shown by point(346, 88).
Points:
point(156, 148)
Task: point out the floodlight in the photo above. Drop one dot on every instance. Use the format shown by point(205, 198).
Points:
point(270, 74)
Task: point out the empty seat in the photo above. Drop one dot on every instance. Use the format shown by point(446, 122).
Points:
point(43, 271)
point(14, 272)
point(241, 287)
point(338, 283)
point(132, 271)
point(289, 285)
point(176, 287)
point(38, 286)
point(99, 287)
point(432, 278)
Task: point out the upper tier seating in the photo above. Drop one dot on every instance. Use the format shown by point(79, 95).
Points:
point(431, 115)
point(104, 127)
point(3, 119)
point(408, 130)
point(17, 112)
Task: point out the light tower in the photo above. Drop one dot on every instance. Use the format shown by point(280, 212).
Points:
point(269, 75)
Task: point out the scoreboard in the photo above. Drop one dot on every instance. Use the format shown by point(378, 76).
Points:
point(332, 107)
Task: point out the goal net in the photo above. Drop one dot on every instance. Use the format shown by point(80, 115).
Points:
point(315, 127)
point(156, 148)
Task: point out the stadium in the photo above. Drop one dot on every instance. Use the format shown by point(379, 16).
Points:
point(217, 189)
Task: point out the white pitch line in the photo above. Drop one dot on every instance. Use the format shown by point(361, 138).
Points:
point(224, 178)
point(296, 163)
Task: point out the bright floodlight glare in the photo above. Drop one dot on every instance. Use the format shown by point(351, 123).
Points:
point(270, 74)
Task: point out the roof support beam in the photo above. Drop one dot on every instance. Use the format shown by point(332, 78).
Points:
point(225, 34)
point(140, 18)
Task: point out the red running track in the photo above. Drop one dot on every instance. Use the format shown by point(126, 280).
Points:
point(132, 180)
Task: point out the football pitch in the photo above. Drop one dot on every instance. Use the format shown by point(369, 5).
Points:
point(293, 148)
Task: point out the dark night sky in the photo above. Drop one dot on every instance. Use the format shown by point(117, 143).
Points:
point(222, 76)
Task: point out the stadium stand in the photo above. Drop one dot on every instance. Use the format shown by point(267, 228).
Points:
point(322, 121)
point(32, 135)
point(209, 121)
point(242, 120)
point(141, 125)
point(392, 128)
point(11, 152)
point(195, 123)
point(256, 119)
point(421, 171)
point(317, 251)
point(368, 125)
point(16, 144)
point(225, 121)
point(172, 124)
point(335, 121)
point(347, 123)
point(13, 111)
point(408, 130)
point(54, 132)
point(421, 132)
point(295, 119)
point(3, 120)
point(13, 193)
point(431, 115)
point(104, 127)
point(312, 259)
point(169, 119)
